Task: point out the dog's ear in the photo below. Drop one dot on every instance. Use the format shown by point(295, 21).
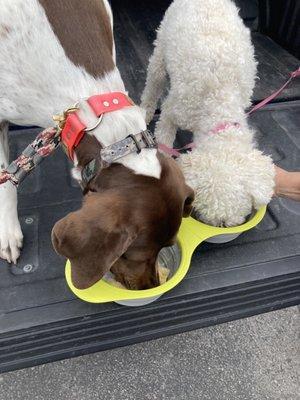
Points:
point(259, 178)
point(188, 203)
point(93, 238)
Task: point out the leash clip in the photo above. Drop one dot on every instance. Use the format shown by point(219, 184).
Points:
point(60, 119)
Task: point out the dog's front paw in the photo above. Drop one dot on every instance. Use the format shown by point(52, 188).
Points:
point(11, 240)
point(11, 237)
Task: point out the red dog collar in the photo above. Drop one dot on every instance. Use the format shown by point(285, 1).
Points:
point(74, 129)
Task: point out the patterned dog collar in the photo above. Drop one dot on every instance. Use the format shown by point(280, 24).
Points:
point(110, 154)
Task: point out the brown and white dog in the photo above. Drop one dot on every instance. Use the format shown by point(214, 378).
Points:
point(52, 54)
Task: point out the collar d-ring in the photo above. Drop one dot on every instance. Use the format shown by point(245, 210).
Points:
point(89, 128)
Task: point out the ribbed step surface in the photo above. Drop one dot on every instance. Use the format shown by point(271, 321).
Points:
point(127, 326)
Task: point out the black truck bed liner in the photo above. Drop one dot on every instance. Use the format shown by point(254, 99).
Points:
point(41, 321)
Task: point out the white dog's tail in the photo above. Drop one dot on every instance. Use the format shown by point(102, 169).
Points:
point(156, 81)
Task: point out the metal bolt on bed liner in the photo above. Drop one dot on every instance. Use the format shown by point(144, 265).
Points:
point(28, 268)
point(29, 220)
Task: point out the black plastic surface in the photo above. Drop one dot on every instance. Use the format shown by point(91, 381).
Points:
point(135, 25)
point(41, 321)
point(280, 20)
point(106, 329)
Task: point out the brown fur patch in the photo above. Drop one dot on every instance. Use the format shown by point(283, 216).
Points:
point(88, 149)
point(84, 31)
point(4, 31)
point(124, 225)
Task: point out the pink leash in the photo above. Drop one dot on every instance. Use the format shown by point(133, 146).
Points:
point(176, 152)
point(293, 75)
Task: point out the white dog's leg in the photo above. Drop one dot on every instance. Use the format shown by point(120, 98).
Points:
point(165, 130)
point(155, 83)
point(10, 231)
point(166, 127)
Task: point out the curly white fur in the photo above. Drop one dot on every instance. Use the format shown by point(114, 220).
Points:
point(205, 49)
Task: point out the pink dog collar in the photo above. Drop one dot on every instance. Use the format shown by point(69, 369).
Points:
point(223, 126)
point(190, 146)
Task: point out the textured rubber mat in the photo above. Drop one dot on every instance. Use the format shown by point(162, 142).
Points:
point(135, 25)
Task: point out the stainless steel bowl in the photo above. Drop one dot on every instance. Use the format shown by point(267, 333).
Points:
point(225, 237)
point(168, 257)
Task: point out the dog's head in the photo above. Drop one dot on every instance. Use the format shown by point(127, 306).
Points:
point(125, 220)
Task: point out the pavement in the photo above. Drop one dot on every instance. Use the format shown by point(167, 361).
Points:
point(256, 358)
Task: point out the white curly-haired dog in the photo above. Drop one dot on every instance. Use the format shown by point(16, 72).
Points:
point(205, 49)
